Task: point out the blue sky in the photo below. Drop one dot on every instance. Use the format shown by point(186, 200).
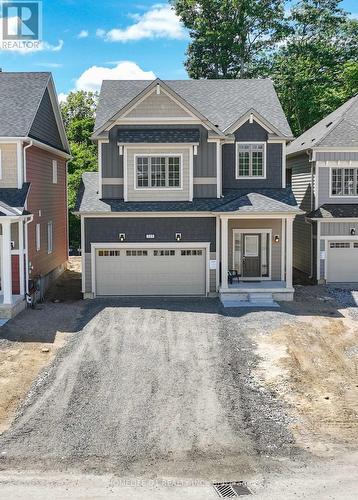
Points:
point(86, 41)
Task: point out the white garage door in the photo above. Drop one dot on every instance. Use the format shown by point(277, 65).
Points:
point(151, 271)
point(342, 265)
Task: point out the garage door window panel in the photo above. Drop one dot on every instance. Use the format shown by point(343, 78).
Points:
point(159, 172)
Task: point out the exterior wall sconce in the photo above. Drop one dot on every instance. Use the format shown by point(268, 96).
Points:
point(122, 237)
point(276, 238)
point(353, 231)
point(178, 236)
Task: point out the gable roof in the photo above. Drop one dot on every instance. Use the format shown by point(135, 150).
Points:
point(221, 102)
point(21, 95)
point(338, 129)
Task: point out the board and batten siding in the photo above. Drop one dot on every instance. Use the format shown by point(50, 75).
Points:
point(275, 225)
point(8, 166)
point(303, 190)
point(44, 127)
point(338, 228)
point(160, 194)
point(157, 106)
point(324, 188)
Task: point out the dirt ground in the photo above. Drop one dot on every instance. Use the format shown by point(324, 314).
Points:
point(29, 342)
point(312, 364)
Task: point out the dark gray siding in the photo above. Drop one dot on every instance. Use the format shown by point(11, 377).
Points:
point(44, 127)
point(112, 161)
point(205, 161)
point(193, 229)
point(252, 132)
point(204, 191)
point(112, 191)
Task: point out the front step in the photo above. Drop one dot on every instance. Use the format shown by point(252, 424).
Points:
point(251, 299)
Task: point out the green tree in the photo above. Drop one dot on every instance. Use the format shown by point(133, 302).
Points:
point(229, 37)
point(78, 113)
point(314, 71)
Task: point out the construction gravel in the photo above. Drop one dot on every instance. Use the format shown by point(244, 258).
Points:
point(155, 388)
point(347, 298)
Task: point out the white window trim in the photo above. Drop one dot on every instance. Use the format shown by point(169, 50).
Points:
point(237, 176)
point(158, 155)
point(50, 237)
point(54, 172)
point(255, 231)
point(344, 167)
point(38, 237)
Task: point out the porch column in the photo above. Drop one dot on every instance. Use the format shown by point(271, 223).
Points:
point(21, 258)
point(6, 275)
point(289, 249)
point(224, 252)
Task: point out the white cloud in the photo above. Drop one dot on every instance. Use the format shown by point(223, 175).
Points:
point(92, 78)
point(160, 21)
point(49, 65)
point(62, 97)
point(83, 34)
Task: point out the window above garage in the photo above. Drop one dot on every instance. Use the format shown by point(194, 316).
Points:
point(344, 182)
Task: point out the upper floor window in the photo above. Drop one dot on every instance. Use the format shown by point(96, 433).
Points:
point(54, 171)
point(158, 172)
point(250, 160)
point(344, 182)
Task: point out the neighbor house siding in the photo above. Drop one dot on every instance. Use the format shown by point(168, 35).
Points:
point(44, 127)
point(337, 156)
point(338, 228)
point(302, 231)
point(8, 166)
point(51, 200)
point(252, 133)
point(275, 225)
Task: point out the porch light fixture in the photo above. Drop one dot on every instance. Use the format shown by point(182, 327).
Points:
point(276, 238)
point(122, 237)
point(353, 231)
point(178, 236)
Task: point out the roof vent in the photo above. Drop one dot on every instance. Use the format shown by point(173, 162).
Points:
point(329, 124)
point(313, 140)
point(302, 143)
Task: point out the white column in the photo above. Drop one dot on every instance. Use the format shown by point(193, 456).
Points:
point(318, 249)
point(6, 262)
point(218, 169)
point(224, 252)
point(289, 249)
point(21, 257)
point(283, 249)
point(217, 253)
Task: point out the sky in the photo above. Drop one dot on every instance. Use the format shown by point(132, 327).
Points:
point(86, 41)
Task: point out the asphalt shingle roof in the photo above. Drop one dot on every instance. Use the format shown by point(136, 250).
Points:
point(159, 135)
point(222, 102)
point(20, 97)
point(14, 198)
point(328, 210)
point(337, 129)
point(248, 200)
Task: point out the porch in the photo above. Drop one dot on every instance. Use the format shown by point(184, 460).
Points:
point(256, 259)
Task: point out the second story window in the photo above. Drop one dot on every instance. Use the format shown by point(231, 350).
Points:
point(158, 172)
point(344, 182)
point(54, 171)
point(250, 160)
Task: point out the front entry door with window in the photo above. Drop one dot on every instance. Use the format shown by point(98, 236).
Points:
point(251, 259)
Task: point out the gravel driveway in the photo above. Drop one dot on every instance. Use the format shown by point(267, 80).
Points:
point(154, 387)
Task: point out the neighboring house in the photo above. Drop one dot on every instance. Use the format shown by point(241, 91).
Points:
point(323, 167)
point(191, 184)
point(33, 195)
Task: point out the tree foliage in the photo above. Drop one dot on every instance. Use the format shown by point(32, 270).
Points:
point(78, 113)
point(230, 36)
point(311, 54)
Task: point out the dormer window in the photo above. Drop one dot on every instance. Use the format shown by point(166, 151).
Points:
point(158, 172)
point(250, 160)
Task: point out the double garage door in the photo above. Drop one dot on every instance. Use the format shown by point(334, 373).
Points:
point(150, 271)
point(342, 265)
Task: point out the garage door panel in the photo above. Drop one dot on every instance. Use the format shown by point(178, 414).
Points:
point(342, 264)
point(158, 272)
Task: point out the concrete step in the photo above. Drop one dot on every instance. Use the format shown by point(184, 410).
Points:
point(257, 299)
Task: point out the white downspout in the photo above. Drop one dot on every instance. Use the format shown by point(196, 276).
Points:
point(24, 159)
point(26, 225)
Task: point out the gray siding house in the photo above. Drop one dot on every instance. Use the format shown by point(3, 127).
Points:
point(190, 197)
point(323, 166)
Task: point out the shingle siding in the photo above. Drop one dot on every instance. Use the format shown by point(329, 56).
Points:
point(44, 127)
point(8, 166)
point(252, 133)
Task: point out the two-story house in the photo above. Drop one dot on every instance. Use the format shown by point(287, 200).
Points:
point(323, 166)
point(33, 192)
point(190, 197)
